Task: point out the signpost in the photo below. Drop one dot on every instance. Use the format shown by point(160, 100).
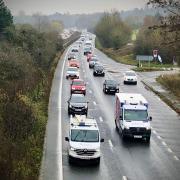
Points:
point(141, 58)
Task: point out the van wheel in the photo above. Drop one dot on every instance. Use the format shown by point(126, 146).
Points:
point(117, 129)
point(97, 161)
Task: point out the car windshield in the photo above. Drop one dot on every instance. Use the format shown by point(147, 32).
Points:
point(79, 135)
point(78, 83)
point(98, 67)
point(111, 82)
point(135, 115)
point(72, 69)
point(78, 99)
point(130, 74)
point(93, 59)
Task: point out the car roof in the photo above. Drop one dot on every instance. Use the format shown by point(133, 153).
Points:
point(78, 95)
point(77, 80)
point(110, 80)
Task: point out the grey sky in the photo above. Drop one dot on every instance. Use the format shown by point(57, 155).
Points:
point(71, 6)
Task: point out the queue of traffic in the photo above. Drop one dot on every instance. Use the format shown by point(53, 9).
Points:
point(131, 109)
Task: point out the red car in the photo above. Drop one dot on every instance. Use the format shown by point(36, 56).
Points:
point(78, 87)
point(74, 63)
point(89, 56)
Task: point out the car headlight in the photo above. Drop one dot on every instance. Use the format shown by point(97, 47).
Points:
point(126, 127)
point(148, 128)
point(83, 88)
point(73, 88)
point(70, 106)
point(98, 150)
point(72, 149)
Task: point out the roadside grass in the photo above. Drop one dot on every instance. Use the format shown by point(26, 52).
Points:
point(171, 82)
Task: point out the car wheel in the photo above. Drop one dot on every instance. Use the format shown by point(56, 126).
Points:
point(116, 126)
point(69, 113)
point(66, 77)
point(148, 139)
point(94, 74)
point(103, 75)
point(117, 90)
point(124, 82)
point(135, 83)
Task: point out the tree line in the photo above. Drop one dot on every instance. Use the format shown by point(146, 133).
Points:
point(26, 63)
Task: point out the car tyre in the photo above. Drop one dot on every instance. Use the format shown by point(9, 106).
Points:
point(148, 139)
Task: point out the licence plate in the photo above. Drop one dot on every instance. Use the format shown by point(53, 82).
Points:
point(78, 109)
point(136, 136)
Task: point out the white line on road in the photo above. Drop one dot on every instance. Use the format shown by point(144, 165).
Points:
point(169, 150)
point(101, 119)
point(110, 144)
point(90, 91)
point(176, 158)
point(154, 132)
point(124, 178)
point(159, 137)
point(59, 137)
point(163, 143)
point(94, 103)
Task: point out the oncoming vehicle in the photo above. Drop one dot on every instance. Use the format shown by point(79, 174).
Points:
point(78, 87)
point(77, 104)
point(75, 49)
point(98, 70)
point(72, 72)
point(130, 77)
point(84, 140)
point(131, 116)
point(110, 86)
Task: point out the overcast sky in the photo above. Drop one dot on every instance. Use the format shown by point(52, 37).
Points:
point(71, 6)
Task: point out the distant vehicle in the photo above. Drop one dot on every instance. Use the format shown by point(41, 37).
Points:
point(84, 140)
point(130, 77)
point(92, 62)
point(88, 44)
point(77, 104)
point(72, 72)
point(110, 86)
point(98, 70)
point(89, 56)
point(71, 56)
point(87, 50)
point(75, 49)
point(131, 116)
point(78, 87)
point(74, 63)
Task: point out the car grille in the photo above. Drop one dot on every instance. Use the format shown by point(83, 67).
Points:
point(130, 79)
point(85, 152)
point(137, 131)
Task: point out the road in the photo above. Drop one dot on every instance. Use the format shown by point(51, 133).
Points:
point(134, 160)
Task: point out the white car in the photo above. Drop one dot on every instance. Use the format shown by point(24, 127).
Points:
point(130, 77)
point(84, 139)
point(72, 72)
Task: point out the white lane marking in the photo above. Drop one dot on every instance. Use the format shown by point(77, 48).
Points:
point(159, 137)
point(94, 103)
point(90, 91)
point(110, 144)
point(169, 150)
point(59, 133)
point(154, 132)
point(101, 119)
point(124, 178)
point(176, 158)
point(163, 143)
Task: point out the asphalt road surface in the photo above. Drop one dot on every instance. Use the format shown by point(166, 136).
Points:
point(134, 159)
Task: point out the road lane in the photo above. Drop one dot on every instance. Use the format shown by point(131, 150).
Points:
point(131, 159)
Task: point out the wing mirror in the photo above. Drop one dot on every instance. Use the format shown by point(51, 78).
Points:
point(66, 139)
point(102, 140)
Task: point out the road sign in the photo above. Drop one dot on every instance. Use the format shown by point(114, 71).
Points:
point(144, 58)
